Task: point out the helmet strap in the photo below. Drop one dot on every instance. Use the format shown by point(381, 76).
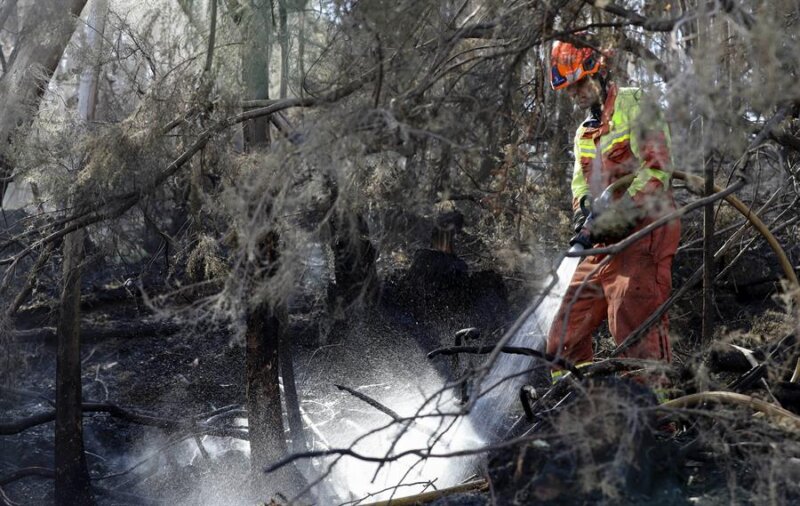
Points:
point(597, 109)
point(602, 78)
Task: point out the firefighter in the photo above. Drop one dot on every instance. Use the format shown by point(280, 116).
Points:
point(621, 137)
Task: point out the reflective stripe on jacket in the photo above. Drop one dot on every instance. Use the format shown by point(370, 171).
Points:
point(626, 141)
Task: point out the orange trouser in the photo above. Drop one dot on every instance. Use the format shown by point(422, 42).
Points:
point(627, 290)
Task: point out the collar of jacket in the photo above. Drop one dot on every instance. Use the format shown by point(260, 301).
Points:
point(608, 110)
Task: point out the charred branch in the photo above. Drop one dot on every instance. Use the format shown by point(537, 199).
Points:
point(191, 423)
point(372, 402)
point(91, 332)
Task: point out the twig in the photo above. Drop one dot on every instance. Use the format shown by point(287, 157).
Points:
point(25, 472)
point(419, 452)
point(510, 333)
point(372, 402)
point(750, 243)
point(23, 393)
point(636, 19)
point(5, 500)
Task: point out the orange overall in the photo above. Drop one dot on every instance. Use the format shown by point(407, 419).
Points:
point(638, 280)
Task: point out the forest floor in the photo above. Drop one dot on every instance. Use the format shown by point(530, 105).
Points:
point(171, 370)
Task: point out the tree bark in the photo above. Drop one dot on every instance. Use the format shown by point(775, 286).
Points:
point(290, 396)
point(708, 258)
point(72, 483)
point(6, 9)
point(72, 476)
point(265, 423)
point(257, 32)
point(265, 322)
point(284, 41)
point(46, 31)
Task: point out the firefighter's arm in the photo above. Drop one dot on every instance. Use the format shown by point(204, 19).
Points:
point(650, 143)
point(580, 189)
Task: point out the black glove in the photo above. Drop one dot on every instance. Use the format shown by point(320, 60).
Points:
point(582, 213)
point(584, 236)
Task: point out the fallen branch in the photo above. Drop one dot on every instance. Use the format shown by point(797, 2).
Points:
point(4, 499)
point(427, 497)
point(372, 402)
point(25, 472)
point(17, 426)
point(102, 332)
point(613, 365)
point(783, 418)
point(45, 472)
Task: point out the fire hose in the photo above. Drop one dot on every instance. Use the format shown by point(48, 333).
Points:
point(751, 216)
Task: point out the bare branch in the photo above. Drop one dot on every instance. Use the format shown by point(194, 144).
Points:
point(372, 402)
point(17, 426)
point(636, 19)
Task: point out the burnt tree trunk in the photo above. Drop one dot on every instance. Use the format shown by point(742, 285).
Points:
point(290, 397)
point(265, 422)
point(72, 476)
point(72, 485)
point(266, 322)
point(265, 333)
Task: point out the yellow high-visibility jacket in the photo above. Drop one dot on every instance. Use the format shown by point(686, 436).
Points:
point(624, 141)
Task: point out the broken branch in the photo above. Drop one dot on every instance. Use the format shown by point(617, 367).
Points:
point(372, 402)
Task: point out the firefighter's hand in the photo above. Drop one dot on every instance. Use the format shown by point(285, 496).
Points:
point(585, 236)
point(582, 213)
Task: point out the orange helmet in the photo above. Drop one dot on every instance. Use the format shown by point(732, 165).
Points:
point(570, 64)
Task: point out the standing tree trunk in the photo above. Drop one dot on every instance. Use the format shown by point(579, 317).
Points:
point(46, 29)
point(290, 397)
point(283, 35)
point(266, 322)
point(301, 50)
point(72, 476)
point(257, 30)
point(264, 414)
